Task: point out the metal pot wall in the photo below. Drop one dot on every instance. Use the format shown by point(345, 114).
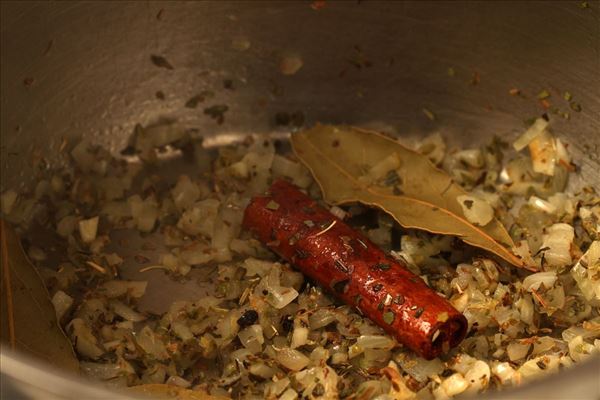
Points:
point(73, 69)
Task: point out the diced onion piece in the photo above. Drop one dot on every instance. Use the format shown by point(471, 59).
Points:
point(517, 351)
point(579, 349)
point(476, 210)
point(200, 218)
point(542, 150)
point(182, 330)
point(299, 336)
point(116, 288)
point(126, 312)
point(542, 204)
point(375, 342)
point(531, 133)
point(151, 343)
point(420, 368)
point(558, 240)
point(504, 372)
point(261, 370)
point(196, 253)
point(274, 389)
point(66, 226)
point(144, 212)
point(338, 212)
point(478, 377)
point(280, 296)
point(289, 394)
point(471, 157)
point(88, 228)
point(86, 343)
point(252, 338)
point(321, 317)
point(561, 152)
point(587, 274)
point(291, 359)
point(62, 302)
point(531, 369)
point(534, 281)
point(542, 344)
point(255, 267)
point(178, 381)
point(454, 384)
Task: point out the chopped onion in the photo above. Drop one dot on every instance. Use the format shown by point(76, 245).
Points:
point(420, 368)
point(543, 205)
point(182, 330)
point(261, 370)
point(289, 394)
point(534, 281)
point(558, 241)
point(542, 344)
point(375, 342)
point(185, 193)
point(275, 388)
point(543, 154)
point(471, 157)
point(252, 338)
point(517, 351)
point(103, 371)
point(476, 210)
point(126, 312)
point(144, 212)
point(454, 384)
point(151, 343)
point(280, 296)
point(88, 229)
point(478, 377)
point(255, 267)
point(291, 359)
point(117, 288)
point(587, 274)
point(321, 317)
point(299, 336)
point(504, 372)
point(531, 133)
point(62, 302)
point(200, 218)
point(178, 381)
point(86, 343)
point(338, 212)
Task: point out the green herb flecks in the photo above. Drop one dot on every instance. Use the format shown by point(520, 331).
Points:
point(199, 98)
point(217, 112)
point(272, 205)
point(161, 62)
point(429, 114)
point(544, 94)
point(389, 317)
point(382, 266)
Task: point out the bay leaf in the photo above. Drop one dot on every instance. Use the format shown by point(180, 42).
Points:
point(28, 318)
point(163, 391)
point(425, 197)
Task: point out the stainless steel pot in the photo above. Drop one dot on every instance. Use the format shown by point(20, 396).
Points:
point(72, 69)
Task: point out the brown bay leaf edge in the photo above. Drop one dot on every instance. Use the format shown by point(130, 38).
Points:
point(28, 318)
point(355, 165)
